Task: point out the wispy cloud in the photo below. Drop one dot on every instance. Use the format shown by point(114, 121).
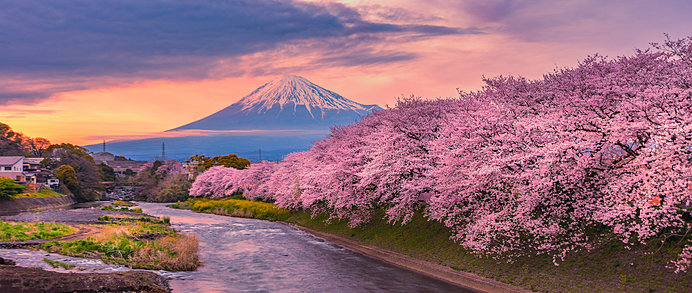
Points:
point(67, 41)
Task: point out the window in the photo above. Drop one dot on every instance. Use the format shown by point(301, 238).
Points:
point(8, 168)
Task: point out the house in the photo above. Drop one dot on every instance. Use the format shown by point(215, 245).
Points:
point(12, 167)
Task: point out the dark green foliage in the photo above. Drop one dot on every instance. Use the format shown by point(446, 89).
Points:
point(68, 177)
point(228, 161)
point(88, 174)
point(8, 188)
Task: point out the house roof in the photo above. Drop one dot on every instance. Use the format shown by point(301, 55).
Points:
point(33, 160)
point(10, 160)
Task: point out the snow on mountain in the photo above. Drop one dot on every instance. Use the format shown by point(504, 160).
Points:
point(291, 102)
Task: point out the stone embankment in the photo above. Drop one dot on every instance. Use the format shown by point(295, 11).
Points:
point(15, 206)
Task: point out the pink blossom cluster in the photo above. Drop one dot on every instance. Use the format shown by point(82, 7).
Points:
point(521, 166)
point(220, 181)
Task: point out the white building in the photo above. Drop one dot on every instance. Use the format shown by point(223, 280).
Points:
point(12, 167)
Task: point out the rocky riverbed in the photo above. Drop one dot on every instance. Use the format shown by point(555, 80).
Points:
point(26, 270)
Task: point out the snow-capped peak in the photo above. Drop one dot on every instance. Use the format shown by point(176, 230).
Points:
point(291, 102)
point(293, 91)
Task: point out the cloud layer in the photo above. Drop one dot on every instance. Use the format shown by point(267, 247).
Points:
point(58, 41)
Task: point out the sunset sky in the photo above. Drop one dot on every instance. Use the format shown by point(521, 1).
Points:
point(83, 71)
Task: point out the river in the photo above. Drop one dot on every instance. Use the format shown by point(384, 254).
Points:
point(248, 255)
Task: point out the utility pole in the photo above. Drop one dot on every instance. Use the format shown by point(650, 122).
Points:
point(104, 145)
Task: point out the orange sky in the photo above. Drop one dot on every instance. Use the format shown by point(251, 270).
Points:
point(107, 107)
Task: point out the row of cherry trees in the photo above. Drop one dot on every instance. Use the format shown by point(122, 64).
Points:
point(521, 166)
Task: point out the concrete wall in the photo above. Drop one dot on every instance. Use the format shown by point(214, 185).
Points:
point(15, 206)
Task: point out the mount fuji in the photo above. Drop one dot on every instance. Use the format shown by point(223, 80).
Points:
point(284, 115)
point(291, 102)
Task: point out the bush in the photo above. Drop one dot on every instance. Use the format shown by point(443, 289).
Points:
point(8, 188)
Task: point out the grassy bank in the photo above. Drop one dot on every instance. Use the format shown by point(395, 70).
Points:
point(137, 243)
point(609, 268)
point(43, 192)
point(235, 208)
point(23, 231)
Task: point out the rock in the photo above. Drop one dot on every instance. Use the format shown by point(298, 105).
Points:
point(21, 279)
point(7, 262)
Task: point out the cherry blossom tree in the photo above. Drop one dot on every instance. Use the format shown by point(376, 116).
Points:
point(519, 167)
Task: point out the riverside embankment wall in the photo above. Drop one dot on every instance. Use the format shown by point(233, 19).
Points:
point(15, 206)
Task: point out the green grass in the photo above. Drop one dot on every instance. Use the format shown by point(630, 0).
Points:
point(23, 231)
point(57, 264)
point(122, 209)
point(141, 245)
point(120, 203)
point(236, 208)
point(608, 268)
point(43, 192)
point(112, 218)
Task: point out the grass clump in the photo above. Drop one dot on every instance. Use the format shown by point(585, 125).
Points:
point(23, 231)
point(120, 203)
point(122, 209)
point(58, 264)
point(141, 245)
point(147, 219)
point(236, 208)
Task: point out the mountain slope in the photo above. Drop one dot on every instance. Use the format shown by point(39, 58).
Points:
point(291, 102)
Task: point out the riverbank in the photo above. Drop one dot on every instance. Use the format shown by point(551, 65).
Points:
point(434, 270)
point(609, 267)
point(23, 279)
point(111, 238)
point(28, 204)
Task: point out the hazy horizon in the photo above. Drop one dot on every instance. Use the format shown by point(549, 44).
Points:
point(81, 72)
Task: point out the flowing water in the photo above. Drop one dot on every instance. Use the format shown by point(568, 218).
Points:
point(248, 255)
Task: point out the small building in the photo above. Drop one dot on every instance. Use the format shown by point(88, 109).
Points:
point(53, 183)
point(12, 167)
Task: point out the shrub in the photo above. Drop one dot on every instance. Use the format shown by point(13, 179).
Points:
point(8, 188)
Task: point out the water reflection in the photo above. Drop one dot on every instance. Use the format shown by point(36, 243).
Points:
point(247, 255)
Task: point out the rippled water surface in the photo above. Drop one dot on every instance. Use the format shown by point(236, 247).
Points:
point(247, 255)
